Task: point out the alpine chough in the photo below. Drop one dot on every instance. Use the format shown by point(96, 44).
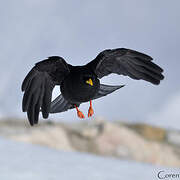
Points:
point(80, 84)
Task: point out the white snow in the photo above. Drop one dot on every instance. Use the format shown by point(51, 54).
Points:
point(20, 161)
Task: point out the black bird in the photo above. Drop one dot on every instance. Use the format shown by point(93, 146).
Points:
point(80, 84)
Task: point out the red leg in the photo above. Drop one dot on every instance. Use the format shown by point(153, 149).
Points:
point(90, 111)
point(79, 113)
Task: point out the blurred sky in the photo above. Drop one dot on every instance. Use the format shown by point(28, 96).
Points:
point(78, 31)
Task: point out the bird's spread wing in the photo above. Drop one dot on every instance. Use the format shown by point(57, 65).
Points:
point(61, 105)
point(105, 90)
point(38, 86)
point(126, 62)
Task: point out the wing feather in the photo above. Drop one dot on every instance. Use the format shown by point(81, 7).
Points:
point(60, 105)
point(28, 79)
point(126, 62)
point(38, 86)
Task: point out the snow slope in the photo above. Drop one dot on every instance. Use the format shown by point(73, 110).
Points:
point(28, 162)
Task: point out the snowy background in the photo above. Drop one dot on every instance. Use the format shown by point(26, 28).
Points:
point(78, 31)
point(26, 162)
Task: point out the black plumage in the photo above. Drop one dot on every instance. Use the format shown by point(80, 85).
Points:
point(80, 84)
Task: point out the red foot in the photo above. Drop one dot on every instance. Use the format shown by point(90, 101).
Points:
point(90, 111)
point(80, 114)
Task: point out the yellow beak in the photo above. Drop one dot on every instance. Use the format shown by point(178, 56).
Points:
point(89, 81)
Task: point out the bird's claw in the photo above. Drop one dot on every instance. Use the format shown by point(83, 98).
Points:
point(90, 112)
point(80, 114)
